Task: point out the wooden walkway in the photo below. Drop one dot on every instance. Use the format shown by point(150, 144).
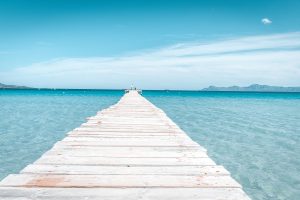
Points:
point(128, 151)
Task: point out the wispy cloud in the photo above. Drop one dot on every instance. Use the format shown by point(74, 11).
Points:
point(270, 59)
point(266, 21)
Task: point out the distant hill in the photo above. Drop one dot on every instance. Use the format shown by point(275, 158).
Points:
point(254, 88)
point(3, 86)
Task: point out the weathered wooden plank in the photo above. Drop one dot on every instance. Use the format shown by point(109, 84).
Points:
point(115, 152)
point(117, 170)
point(124, 133)
point(122, 193)
point(128, 130)
point(129, 126)
point(129, 120)
point(171, 139)
point(123, 142)
point(95, 160)
point(123, 136)
point(112, 181)
point(135, 148)
point(91, 145)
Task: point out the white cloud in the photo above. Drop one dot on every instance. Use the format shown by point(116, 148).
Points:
point(271, 59)
point(266, 21)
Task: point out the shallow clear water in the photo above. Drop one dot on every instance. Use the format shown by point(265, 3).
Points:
point(32, 121)
point(256, 136)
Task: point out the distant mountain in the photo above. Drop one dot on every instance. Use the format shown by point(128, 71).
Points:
point(254, 88)
point(3, 86)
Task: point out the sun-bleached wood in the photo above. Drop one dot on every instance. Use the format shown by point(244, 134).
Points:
point(130, 150)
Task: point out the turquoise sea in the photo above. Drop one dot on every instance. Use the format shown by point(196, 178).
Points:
point(256, 136)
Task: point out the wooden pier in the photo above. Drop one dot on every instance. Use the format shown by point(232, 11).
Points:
point(129, 151)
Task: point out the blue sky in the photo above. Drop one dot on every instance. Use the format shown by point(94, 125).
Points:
point(181, 44)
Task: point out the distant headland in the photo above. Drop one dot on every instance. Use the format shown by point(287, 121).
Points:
point(253, 88)
point(3, 86)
